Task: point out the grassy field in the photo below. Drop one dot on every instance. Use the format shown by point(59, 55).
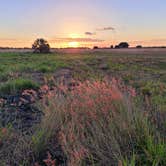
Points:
point(93, 107)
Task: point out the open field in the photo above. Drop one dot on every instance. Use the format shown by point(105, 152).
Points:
point(140, 64)
point(83, 107)
point(142, 51)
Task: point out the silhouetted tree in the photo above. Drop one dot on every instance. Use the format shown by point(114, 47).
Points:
point(123, 45)
point(41, 46)
point(117, 46)
point(139, 46)
point(95, 47)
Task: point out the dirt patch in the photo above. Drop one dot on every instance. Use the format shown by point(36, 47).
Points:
point(20, 110)
point(63, 75)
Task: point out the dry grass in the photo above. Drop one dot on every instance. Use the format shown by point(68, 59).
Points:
point(99, 123)
point(94, 123)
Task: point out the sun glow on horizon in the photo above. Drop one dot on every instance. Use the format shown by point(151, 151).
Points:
point(73, 44)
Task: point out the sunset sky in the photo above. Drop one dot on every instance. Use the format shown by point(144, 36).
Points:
point(82, 23)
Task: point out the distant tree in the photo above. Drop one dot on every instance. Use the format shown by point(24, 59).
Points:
point(139, 46)
point(95, 47)
point(111, 46)
point(123, 45)
point(117, 46)
point(41, 46)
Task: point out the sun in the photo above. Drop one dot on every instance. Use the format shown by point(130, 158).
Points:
point(73, 44)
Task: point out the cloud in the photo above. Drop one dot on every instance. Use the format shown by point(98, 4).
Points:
point(75, 40)
point(106, 29)
point(90, 33)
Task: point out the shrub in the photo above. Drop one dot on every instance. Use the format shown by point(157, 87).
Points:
point(95, 47)
point(139, 46)
point(123, 45)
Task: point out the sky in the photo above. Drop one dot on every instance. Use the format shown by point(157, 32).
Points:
point(82, 23)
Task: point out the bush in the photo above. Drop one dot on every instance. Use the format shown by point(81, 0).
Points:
point(123, 45)
point(139, 46)
point(95, 47)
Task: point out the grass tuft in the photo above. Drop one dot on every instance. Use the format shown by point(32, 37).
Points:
point(15, 86)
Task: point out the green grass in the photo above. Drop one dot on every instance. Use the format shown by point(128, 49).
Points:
point(16, 86)
point(28, 62)
point(25, 64)
point(4, 76)
point(162, 65)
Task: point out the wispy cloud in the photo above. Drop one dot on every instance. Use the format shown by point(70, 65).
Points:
point(75, 40)
point(106, 29)
point(90, 33)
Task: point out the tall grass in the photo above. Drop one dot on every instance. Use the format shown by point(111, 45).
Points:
point(99, 123)
point(96, 123)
